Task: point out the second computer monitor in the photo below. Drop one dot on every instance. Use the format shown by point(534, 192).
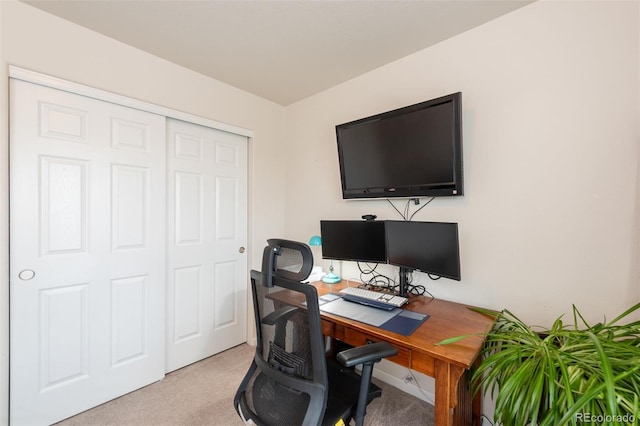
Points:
point(353, 240)
point(430, 247)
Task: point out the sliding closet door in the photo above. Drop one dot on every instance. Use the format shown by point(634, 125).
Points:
point(207, 266)
point(87, 248)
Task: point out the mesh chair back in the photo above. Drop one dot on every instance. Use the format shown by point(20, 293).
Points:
point(289, 383)
point(285, 259)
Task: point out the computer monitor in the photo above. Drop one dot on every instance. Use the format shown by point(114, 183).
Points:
point(414, 151)
point(353, 240)
point(430, 247)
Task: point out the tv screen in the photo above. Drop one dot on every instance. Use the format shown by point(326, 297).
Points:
point(353, 240)
point(408, 152)
point(430, 247)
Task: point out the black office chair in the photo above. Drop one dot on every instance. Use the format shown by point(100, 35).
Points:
point(290, 380)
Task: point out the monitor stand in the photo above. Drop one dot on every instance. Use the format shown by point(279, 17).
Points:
point(404, 280)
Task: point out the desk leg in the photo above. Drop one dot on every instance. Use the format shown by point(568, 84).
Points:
point(447, 377)
point(467, 411)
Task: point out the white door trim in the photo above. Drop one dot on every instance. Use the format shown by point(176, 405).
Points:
point(92, 92)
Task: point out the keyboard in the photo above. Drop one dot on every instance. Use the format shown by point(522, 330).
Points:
point(376, 299)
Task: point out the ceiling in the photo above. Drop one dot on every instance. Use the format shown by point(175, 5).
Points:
point(283, 51)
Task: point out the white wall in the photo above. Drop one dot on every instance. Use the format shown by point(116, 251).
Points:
point(38, 41)
point(551, 131)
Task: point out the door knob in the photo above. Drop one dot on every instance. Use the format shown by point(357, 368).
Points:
point(241, 250)
point(26, 274)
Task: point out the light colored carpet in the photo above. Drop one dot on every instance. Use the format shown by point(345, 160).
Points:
point(202, 394)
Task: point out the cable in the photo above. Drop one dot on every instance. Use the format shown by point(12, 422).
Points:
point(423, 206)
point(377, 281)
point(394, 206)
point(428, 396)
point(367, 271)
point(417, 289)
point(371, 280)
point(407, 207)
point(487, 419)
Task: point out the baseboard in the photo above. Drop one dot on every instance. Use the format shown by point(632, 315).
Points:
point(419, 385)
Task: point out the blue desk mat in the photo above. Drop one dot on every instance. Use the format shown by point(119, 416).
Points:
point(396, 320)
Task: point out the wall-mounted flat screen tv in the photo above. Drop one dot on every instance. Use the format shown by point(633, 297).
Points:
point(409, 152)
point(353, 240)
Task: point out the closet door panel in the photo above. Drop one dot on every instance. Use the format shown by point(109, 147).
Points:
point(88, 228)
point(207, 216)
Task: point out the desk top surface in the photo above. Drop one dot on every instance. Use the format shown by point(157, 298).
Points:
point(447, 319)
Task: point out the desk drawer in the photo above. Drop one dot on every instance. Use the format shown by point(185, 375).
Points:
point(327, 328)
point(423, 363)
point(355, 338)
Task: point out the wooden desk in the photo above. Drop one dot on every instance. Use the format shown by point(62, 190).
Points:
point(447, 364)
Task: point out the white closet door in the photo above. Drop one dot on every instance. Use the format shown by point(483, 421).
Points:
point(87, 267)
point(207, 267)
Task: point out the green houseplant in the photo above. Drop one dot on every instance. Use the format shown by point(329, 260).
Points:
point(564, 375)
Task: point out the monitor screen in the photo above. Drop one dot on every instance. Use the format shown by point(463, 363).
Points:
point(430, 247)
point(408, 152)
point(353, 240)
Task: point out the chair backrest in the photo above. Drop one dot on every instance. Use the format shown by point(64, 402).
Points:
point(285, 259)
point(289, 382)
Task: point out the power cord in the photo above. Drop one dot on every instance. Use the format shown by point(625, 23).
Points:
point(423, 206)
point(417, 289)
point(372, 280)
point(407, 207)
point(428, 396)
point(485, 418)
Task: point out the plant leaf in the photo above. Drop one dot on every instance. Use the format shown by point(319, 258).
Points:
point(456, 339)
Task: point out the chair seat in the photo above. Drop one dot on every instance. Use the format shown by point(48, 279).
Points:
point(278, 404)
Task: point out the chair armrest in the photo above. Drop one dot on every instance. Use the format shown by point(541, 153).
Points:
point(373, 352)
point(279, 314)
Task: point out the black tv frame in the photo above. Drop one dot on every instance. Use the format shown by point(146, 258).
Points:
point(455, 187)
